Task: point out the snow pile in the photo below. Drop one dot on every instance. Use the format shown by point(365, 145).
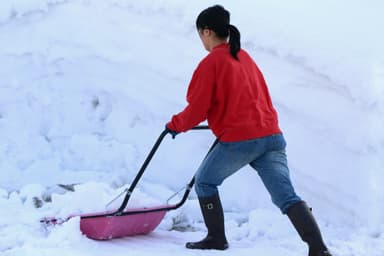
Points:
point(87, 87)
point(17, 9)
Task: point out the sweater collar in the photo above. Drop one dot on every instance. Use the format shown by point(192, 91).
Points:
point(223, 45)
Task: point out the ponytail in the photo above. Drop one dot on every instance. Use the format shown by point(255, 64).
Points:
point(234, 41)
point(217, 19)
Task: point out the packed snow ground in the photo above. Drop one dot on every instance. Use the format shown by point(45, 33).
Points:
point(87, 86)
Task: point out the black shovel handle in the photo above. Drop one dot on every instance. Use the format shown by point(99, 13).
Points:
point(191, 183)
point(144, 166)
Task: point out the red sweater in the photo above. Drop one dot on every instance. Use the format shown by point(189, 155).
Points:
point(232, 95)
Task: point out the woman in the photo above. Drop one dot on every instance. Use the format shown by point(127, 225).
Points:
point(228, 90)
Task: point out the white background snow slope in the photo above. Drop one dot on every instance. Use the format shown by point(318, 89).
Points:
point(87, 86)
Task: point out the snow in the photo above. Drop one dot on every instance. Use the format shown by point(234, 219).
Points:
point(87, 86)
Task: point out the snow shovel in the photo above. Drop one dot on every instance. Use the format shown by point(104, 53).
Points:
point(127, 222)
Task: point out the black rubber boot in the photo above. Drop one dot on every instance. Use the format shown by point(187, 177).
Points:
point(305, 224)
point(214, 220)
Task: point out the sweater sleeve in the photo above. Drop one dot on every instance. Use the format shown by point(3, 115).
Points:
point(199, 98)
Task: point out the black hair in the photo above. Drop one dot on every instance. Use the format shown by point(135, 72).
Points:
point(217, 18)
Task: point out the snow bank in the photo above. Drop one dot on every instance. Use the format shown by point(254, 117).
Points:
point(87, 87)
point(20, 8)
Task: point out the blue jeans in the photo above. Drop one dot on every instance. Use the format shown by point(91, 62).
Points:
point(266, 155)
